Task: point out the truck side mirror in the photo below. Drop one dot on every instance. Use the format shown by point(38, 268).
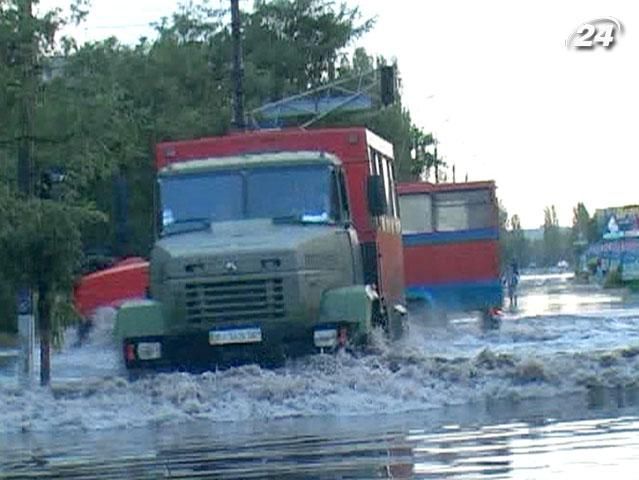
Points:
point(376, 195)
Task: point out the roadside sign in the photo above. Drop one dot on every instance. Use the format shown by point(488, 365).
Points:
point(25, 302)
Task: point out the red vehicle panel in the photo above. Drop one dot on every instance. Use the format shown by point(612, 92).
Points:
point(126, 280)
point(452, 262)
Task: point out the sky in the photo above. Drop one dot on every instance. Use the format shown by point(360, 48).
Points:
point(496, 84)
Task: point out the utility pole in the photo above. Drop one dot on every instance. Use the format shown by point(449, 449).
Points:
point(238, 69)
point(436, 164)
point(27, 101)
point(27, 61)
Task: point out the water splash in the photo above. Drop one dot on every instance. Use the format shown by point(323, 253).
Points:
point(535, 356)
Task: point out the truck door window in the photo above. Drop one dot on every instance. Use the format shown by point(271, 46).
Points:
point(387, 187)
point(381, 165)
point(343, 195)
point(393, 205)
point(336, 208)
point(373, 162)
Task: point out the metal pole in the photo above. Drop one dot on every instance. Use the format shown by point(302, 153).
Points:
point(28, 54)
point(27, 104)
point(238, 69)
point(26, 328)
point(436, 165)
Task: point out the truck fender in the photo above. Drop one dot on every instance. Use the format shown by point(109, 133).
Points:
point(351, 305)
point(139, 318)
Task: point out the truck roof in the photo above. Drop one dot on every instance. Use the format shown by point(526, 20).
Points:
point(408, 188)
point(348, 144)
point(251, 160)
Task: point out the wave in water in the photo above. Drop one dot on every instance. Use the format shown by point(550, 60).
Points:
point(530, 357)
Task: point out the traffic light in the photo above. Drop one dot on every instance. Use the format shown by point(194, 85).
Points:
point(51, 180)
point(388, 84)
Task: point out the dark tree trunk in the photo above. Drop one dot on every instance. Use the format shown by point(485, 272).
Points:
point(44, 322)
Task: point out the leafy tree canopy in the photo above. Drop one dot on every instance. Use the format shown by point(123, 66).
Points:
point(101, 107)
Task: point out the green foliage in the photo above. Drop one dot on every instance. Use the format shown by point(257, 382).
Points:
point(41, 247)
point(613, 279)
point(41, 241)
point(582, 233)
point(584, 227)
point(520, 246)
point(552, 238)
point(103, 106)
point(514, 245)
point(394, 124)
point(505, 244)
point(297, 43)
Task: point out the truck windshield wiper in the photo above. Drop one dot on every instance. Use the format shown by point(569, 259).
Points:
point(191, 224)
point(303, 219)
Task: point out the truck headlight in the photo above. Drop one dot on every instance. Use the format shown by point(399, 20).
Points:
point(325, 337)
point(149, 350)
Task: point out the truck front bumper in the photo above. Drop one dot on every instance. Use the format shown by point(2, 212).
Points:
point(194, 352)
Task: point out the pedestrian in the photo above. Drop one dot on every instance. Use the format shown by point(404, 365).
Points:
point(512, 280)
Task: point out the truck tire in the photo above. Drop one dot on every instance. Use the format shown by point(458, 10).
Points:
point(398, 327)
point(425, 313)
point(395, 325)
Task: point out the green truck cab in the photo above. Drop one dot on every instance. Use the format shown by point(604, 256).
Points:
point(271, 245)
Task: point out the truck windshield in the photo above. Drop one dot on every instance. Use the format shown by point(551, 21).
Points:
point(296, 192)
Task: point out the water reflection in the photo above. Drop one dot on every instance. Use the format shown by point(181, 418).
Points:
point(558, 294)
point(606, 442)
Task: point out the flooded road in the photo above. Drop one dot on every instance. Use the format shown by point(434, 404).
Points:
point(554, 393)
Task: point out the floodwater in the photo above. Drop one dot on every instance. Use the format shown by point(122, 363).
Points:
point(554, 393)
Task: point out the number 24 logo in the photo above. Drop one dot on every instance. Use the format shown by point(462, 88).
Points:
point(601, 31)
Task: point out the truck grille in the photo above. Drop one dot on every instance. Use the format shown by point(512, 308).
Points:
point(216, 301)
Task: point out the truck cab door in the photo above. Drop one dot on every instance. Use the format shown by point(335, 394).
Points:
point(387, 251)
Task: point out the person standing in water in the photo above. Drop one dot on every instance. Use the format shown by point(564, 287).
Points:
point(512, 280)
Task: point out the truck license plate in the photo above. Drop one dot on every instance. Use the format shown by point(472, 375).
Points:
point(235, 335)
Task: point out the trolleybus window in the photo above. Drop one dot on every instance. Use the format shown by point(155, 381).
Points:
point(416, 213)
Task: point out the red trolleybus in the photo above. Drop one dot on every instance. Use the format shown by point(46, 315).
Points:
point(451, 245)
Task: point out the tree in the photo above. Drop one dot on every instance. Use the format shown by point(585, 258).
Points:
point(582, 233)
point(505, 244)
point(99, 117)
point(584, 227)
point(296, 44)
point(39, 239)
point(513, 244)
point(553, 248)
point(118, 102)
point(41, 245)
point(519, 243)
point(392, 122)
